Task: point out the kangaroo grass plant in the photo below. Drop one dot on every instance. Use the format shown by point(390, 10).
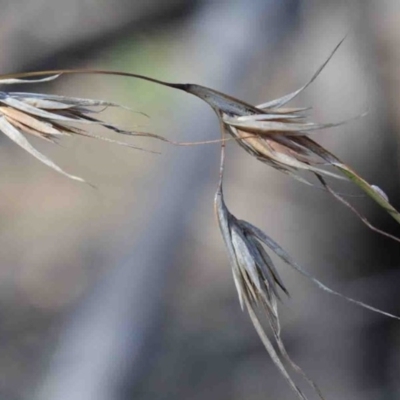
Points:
point(271, 132)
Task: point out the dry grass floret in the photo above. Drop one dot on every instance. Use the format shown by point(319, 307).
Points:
point(51, 117)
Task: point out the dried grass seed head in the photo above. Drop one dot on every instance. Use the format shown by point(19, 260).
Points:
point(257, 283)
point(279, 136)
point(50, 117)
point(254, 272)
point(273, 133)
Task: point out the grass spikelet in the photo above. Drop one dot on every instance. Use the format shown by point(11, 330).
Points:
point(51, 117)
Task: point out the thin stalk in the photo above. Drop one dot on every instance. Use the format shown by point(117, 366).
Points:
point(222, 159)
point(214, 98)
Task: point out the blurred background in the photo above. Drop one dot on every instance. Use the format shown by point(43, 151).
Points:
point(125, 291)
